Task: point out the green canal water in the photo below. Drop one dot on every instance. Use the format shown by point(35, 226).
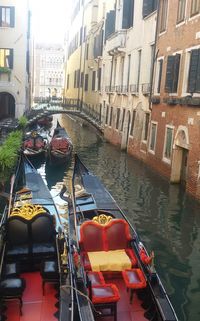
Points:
point(166, 219)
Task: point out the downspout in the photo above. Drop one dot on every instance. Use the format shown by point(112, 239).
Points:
point(80, 64)
point(154, 56)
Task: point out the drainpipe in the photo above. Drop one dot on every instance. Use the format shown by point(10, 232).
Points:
point(80, 63)
point(154, 55)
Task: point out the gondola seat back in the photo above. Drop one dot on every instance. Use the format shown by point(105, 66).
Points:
point(95, 237)
point(29, 239)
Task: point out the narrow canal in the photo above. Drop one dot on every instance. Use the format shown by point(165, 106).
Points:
point(166, 219)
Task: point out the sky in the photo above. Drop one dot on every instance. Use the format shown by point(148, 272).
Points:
point(50, 19)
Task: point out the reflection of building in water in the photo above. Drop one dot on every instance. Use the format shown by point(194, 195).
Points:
point(48, 71)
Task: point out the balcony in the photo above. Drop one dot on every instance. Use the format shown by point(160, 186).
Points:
point(134, 89)
point(146, 89)
point(116, 43)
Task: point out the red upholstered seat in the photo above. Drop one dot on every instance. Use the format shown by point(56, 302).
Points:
point(105, 294)
point(89, 232)
point(96, 278)
point(134, 278)
point(132, 257)
point(85, 260)
point(117, 235)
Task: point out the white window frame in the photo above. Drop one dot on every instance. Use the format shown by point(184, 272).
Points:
point(165, 159)
point(152, 151)
point(157, 75)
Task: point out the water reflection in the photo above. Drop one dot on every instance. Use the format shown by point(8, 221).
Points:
point(166, 219)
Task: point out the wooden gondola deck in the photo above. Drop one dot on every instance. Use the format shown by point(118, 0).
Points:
point(36, 306)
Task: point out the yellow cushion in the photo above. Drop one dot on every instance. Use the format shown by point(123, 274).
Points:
point(116, 260)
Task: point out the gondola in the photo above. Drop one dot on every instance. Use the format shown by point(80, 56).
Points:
point(34, 144)
point(45, 120)
point(34, 280)
point(113, 268)
point(60, 147)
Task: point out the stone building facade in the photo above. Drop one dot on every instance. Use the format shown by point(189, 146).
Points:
point(15, 58)
point(48, 80)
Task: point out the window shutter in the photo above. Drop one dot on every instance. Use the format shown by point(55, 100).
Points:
point(12, 17)
point(93, 79)
point(86, 82)
point(11, 59)
point(110, 24)
point(128, 8)
point(160, 75)
point(147, 7)
point(99, 79)
point(169, 74)
point(176, 72)
point(198, 76)
point(194, 62)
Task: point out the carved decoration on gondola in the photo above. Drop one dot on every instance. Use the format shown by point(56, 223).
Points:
point(28, 211)
point(102, 219)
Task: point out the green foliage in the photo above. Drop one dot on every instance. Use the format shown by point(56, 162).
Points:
point(9, 153)
point(5, 70)
point(23, 122)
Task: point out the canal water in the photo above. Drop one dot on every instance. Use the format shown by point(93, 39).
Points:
point(167, 220)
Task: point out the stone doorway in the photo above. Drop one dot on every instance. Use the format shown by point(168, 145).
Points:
point(7, 105)
point(180, 156)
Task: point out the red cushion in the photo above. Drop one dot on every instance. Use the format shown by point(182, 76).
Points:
point(85, 261)
point(96, 278)
point(117, 235)
point(134, 278)
point(105, 294)
point(91, 237)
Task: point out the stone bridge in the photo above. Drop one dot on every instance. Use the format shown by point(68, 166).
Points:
point(71, 107)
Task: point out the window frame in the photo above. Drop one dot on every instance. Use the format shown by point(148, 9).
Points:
point(181, 11)
point(10, 57)
point(194, 13)
point(145, 128)
point(165, 158)
point(150, 137)
point(164, 13)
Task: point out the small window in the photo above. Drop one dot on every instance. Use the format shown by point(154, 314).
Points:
point(181, 11)
point(7, 17)
point(122, 124)
point(163, 15)
point(99, 79)
point(107, 112)
point(93, 80)
point(6, 58)
point(195, 7)
point(111, 113)
point(86, 82)
point(118, 117)
point(146, 125)
point(152, 142)
point(132, 122)
point(168, 142)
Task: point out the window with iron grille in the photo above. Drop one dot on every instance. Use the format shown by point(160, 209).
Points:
point(152, 142)
point(181, 10)
point(7, 17)
point(168, 142)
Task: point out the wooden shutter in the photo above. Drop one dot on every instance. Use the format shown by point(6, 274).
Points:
point(194, 70)
point(176, 72)
point(169, 74)
point(198, 76)
point(110, 23)
point(127, 20)
point(147, 7)
point(160, 74)
point(12, 17)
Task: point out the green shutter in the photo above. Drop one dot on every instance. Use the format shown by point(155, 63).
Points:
point(193, 71)
point(176, 72)
point(169, 74)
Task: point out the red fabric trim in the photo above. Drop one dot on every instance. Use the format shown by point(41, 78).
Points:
point(132, 257)
point(86, 262)
point(137, 285)
point(108, 299)
point(144, 257)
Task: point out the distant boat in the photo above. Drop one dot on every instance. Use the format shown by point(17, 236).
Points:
point(34, 144)
point(60, 147)
point(45, 120)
